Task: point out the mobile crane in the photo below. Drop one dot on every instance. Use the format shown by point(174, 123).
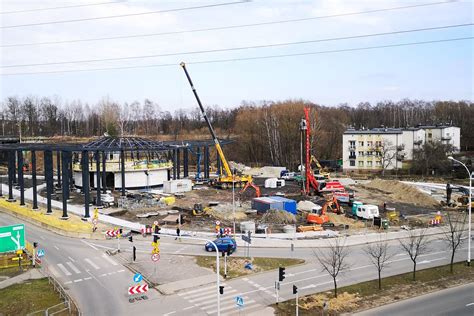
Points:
point(225, 178)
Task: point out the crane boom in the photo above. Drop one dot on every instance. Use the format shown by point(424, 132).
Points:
point(211, 129)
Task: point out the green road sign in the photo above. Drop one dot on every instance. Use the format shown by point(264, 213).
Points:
point(12, 238)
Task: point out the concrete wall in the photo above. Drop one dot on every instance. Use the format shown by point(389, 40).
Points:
point(133, 179)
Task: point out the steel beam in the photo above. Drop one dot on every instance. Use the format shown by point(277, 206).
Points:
point(33, 175)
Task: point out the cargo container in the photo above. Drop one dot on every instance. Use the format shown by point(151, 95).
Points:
point(288, 204)
point(264, 204)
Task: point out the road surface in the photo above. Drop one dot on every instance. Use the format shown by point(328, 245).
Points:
point(457, 301)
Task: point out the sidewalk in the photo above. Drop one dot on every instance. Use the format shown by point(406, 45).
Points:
point(28, 275)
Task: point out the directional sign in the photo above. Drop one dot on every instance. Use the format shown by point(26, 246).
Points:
point(137, 289)
point(40, 253)
point(239, 300)
point(247, 239)
point(12, 238)
point(155, 257)
point(137, 277)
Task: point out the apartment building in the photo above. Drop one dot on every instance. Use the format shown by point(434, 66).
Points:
point(389, 148)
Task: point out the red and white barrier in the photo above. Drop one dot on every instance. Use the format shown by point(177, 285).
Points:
point(227, 231)
point(137, 289)
point(435, 222)
point(111, 233)
point(147, 231)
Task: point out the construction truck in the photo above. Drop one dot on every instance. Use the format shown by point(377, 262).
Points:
point(225, 179)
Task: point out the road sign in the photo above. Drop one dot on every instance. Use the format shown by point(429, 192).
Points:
point(40, 253)
point(137, 277)
point(155, 257)
point(155, 223)
point(218, 223)
point(12, 238)
point(111, 233)
point(239, 301)
point(247, 238)
point(37, 260)
point(137, 289)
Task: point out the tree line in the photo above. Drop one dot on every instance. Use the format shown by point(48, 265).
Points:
point(267, 132)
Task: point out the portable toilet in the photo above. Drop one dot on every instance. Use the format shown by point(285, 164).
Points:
point(355, 204)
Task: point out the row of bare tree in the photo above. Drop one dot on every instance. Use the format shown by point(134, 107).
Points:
point(267, 132)
point(334, 260)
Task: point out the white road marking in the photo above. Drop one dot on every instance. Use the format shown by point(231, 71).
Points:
point(89, 244)
point(42, 238)
point(206, 298)
point(92, 263)
point(470, 304)
point(247, 303)
point(200, 289)
point(103, 275)
point(120, 271)
point(73, 267)
point(56, 247)
point(63, 269)
point(88, 278)
point(54, 271)
point(202, 293)
point(189, 307)
point(110, 273)
point(170, 313)
point(109, 260)
point(71, 259)
point(68, 282)
point(78, 280)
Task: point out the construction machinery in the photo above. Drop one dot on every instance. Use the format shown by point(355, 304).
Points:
point(317, 216)
point(252, 185)
point(318, 170)
point(198, 210)
point(225, 178)
point(332, 204)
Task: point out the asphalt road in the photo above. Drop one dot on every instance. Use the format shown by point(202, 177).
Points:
point(457, 301)
point(99, 282)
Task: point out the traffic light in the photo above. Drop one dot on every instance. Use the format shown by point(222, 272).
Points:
point(130, 238)
point(295, 289)
point(35, 244)
point(120, 231)
point(281, 274)
point(221, 289)
point(134, 255)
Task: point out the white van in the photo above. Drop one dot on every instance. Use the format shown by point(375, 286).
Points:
point(367, 211)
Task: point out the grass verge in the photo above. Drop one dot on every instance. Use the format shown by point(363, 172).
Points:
point(235, 265)
point(27, 297)
point(366, 295)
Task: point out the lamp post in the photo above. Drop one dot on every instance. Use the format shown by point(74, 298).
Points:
point(469, 210)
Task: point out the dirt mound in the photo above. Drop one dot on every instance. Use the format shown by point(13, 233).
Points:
point(401, 192)
point(278, 217)
point(224, 212)
point(343, 303)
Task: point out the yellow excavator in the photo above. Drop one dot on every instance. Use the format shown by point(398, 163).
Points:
point(319, 170)
point(225, 178)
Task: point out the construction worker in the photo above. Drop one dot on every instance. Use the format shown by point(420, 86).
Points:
point(178, 232)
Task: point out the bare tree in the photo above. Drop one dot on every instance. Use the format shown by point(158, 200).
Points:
point(379, 256)
point(454, 234)
point(333, 260)
point(387, 154)
point(415, 245)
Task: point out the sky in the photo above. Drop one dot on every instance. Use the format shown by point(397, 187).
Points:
point(435, 71)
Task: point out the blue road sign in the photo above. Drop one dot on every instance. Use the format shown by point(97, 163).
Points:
point(239, 300)
point(40, 253)
point(137, 277)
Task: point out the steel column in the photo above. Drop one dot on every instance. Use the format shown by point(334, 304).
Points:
point(122, 170)
point(11, 171)
point(174, 164)
point(178, 163)
point(58, 168)
point(186, 162)
point(33, 175)
point(206, 162)
point(48, 174)
point(65, 184)
point(21, 179)
point(104, 174)
point(97, 171)
point(85, 181)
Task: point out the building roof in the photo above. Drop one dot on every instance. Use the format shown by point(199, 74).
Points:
point(375, 131)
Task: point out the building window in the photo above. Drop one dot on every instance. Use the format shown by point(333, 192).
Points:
point(361, 143)
point(352, 155)
point(369, 144)
point(352, 144)
point(369, 163)
point(378, 163)
point(361, 163)
point(378, 143)
point(378, 153)
point(361, 153)
point(430, 135)
point(352, 163)
point(370, 153)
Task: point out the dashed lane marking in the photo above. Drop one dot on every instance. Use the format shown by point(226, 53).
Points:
point(186, 308)
point(71, 259)
point(56, 247)
point(78, 280)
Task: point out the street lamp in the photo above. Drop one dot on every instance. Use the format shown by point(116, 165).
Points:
point(469, 201)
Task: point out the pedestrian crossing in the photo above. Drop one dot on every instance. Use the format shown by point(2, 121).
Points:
point(204, 298)
point(83, 266)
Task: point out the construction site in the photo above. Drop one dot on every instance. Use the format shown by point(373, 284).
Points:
point(192, 185)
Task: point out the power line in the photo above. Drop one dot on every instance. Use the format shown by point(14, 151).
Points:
point(247, 58)
point(62, 7)
point(125, 15)
point(240, 48)
point(226, 27)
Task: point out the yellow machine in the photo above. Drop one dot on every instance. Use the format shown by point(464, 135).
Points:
point(319, 170)
point(226, 178)
point(198, 210)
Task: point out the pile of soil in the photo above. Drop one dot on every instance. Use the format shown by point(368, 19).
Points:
point(344, 220)
point(401, 192)
point(278, 217)
point(343, 303)
point(224, 212)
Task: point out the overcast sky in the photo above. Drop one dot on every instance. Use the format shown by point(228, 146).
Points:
point(430, 72)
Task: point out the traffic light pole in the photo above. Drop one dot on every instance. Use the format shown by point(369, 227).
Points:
point(297, 309)
point(217, 264)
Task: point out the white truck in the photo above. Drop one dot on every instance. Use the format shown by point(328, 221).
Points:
point(367, 211)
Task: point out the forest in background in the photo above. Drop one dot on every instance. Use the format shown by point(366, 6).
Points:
point(267, 132)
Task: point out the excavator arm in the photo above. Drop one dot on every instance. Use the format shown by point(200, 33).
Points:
point(251, 184)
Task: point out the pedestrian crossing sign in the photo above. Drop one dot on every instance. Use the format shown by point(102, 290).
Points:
point(40, 253)
point(239, 300)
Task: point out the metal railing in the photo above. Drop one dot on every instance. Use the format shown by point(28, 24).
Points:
point(68, 303)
